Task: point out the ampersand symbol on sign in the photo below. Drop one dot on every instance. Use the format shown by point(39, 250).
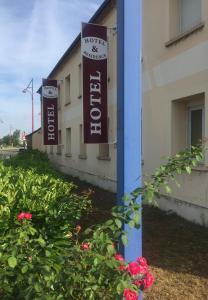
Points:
point(94, 49)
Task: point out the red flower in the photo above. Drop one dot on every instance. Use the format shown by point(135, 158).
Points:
point(148, 280)
point(142, 261)
point(118, 257)
point(24, 215)
point(85, 246)
point(28, 216)
point(138, 282)
point(130, 295)
point(143, 269)
point(122, 268)
point(134, 268)
point(21, 216)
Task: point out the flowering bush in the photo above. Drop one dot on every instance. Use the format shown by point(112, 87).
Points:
point(99, 271)
point(44, 254)
point(38, 211)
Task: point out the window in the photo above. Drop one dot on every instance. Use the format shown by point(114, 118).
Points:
point(184, 16)
point(189, 14)
point(68, 142)
point(68, 89)
point(195, 125)
point(51, 149)
point(59, 146)
point(187, 122)
point(82, 149)
point(59, 137)
point(59, 97)
point(104, 152)
point(80, 80)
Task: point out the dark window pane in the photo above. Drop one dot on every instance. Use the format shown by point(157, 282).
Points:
point(196, 126)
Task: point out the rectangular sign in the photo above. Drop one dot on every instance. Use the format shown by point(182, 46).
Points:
point(94, 64)
point(50, 112)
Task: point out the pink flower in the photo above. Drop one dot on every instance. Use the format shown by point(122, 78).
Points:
point(130, 295)
point(142, 261)
point(85, 246)
point(143, 269)
point(28, 216)
point(24, 215)
point(148, 280)
point(134, 268)
point(118, 257)
point(21, 216)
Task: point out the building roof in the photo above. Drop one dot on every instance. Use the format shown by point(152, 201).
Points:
point(30, 134)
point(77, 39)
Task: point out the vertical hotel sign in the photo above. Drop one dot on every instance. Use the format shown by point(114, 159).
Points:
point(94, 64)
point(50, 113)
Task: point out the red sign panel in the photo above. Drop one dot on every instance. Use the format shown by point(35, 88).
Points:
point(50, 112)
point(94, 62)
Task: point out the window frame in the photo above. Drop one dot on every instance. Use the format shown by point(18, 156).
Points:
point(180, 16)
point(82, 145)
point(68, 142)
point(190, 108)
point(68, 89)
point(59, 96)
point(80, 76)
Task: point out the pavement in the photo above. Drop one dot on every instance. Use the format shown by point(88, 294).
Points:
point(8, 152)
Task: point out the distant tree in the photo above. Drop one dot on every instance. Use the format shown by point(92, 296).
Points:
point(6, 140)
point(16, 138)
point(11, 140)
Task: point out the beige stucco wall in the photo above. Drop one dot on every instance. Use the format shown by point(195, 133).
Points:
point(101, 172)
point(173, 73)
point(172, 76)
point(37, 140)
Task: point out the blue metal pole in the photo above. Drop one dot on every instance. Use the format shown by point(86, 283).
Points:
point(129, 98)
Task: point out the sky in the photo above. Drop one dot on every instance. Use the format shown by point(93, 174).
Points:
point(34, 36)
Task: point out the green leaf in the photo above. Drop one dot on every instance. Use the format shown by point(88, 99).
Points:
point(188, 170)
point(119, 288)
point(126, 198)
point(12, 262)
point(95, 262)
point(137, 218)
point(198, 157)
point(118, 223)
point(149, 195)
point(41, 241)
point(47, 253)
point(131, 224)
point(37, 287)
point(24, 269)
point(168, 189)
point(110, 249)
point(124, 239)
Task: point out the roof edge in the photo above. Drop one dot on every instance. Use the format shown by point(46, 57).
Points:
point(77, 39)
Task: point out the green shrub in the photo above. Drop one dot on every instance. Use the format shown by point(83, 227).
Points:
point(51, 199)
point(43, 258)
point(33, 252)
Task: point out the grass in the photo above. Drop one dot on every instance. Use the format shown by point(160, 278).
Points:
point(177, 250)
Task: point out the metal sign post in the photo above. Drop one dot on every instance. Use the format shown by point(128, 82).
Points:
point(129, 95)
